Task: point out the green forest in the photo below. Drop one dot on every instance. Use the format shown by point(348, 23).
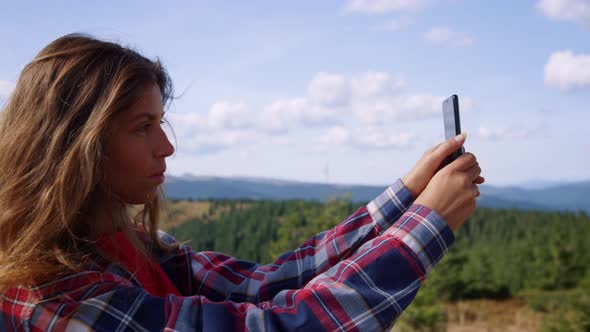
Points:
point(542, 258)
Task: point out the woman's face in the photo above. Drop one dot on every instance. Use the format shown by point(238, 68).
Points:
point(136, 150)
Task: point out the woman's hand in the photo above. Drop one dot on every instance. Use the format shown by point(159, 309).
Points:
point(452, 191)
point(417, 179)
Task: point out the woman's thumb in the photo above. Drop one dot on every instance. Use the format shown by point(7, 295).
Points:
point(449, 146)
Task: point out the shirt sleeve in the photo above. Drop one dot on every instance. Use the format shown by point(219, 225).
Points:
point(221, 277)
point(364, 292)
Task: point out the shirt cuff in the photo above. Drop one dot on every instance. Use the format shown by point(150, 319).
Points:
point(425, 232)
point(390, 204)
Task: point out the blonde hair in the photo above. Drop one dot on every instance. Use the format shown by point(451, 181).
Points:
point(52, 134)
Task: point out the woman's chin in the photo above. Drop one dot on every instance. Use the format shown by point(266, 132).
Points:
point(142, 199)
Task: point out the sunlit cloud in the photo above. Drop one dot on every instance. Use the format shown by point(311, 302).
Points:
point(448, 36)
point(371, 99)
point(226, 115)
point(373, 84)
point(292, 113)
point(329, 89)
point(330, 97)
point(223, 126)
point(577, 11)
point(6, 88)
point(370, 138)
point(214, 142)
point(504, 132)
point(393, 25)
point(405, 107)
point(384, 6)
point(566, 71)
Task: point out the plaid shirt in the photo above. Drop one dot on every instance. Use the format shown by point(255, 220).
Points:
point(358, 276)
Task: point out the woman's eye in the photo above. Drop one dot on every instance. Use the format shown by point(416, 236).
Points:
point(144, 127)
point(147, 125)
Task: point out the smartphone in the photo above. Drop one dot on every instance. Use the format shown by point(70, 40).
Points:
point(452, 124)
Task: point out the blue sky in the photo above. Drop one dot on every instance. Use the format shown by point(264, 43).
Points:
point(348, 91)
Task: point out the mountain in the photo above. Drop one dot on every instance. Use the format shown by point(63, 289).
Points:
point(198, 188)
point(542, 184)
point(566, 196)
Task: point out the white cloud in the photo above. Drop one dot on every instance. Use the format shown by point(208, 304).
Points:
point(373, 98)
point(395, 108)
point(504, 132)
point(370, 138)
point(393, 25)
point(446, 35)
point(336, 136)
point(283, 113)
point(384, 6)
point(187, 122)
point(372, 84)
point(217, 141)
point(330, 98)
point(577, 11)
point(6, 88)
point(221, 116)
point(329, 89)
point(224, 126)
point(286, 113)
point(566, 70)
point(225, 115)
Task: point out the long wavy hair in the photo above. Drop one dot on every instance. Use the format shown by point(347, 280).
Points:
point(52, 135)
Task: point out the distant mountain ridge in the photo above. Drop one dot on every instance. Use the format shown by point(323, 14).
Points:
point(568, 196)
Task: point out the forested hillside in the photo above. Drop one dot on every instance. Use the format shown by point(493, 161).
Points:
point(541, 258)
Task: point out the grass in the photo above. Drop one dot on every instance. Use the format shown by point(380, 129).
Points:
point(490, 315)
point(538, 311)
point(513, 315)
point(175, 213)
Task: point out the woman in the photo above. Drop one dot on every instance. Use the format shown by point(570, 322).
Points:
point(81, 141)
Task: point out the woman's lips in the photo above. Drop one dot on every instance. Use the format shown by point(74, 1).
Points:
point(158, 177)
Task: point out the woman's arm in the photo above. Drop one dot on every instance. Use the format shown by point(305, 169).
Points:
point(365, 292)
point(220, 277)
point(224, 278)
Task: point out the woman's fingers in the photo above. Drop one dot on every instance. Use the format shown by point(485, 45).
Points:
point(479, 180)
point(473, 173)
point(464, 162)
point(475, 190)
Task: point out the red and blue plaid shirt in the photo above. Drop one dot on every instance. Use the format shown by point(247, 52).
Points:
point(358, 276)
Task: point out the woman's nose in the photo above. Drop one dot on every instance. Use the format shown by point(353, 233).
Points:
point(164, 148)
